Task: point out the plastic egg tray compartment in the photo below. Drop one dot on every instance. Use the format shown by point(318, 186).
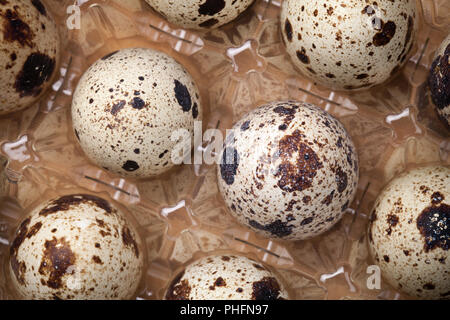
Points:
point(181, 214)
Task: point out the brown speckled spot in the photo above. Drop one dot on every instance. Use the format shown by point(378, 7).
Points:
point(195, 110)
point(267, 288)
point(386, 258)
point(57, 258)
point(34, 229)
point(434, 225)
point(15, 29)
point(287, 112)
point(229, 165)
point(137, 103)
point(301, 55)
point(117, 107)
point(429, 286)
point(37, 69)
point(277, 228)
point(288, 30)
point(225, 258)
point(328, 199)
point(384, 36)
point(361, 76)
point(245, 125)
point(39, 6)
point(220, 282)
point(437, 197)
point(178, 290)
point(306, 221)
point(97, 260)
point(296, 174)
point(17, 266)
point(183, 96)
point(341, 180)
point(129, 241)
point(64, 203)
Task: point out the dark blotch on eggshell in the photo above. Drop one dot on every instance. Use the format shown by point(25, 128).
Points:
point(288, 30)
point(38, 68)
point(17, 266)
point(229, 165)
point(117, 107)
point(195, 110)
point(267, 288)
point(137, 103)
point(341, 180)
point(178, 290)
point(129, 241)
point(183, 96)
point(130, 166)
point(15, 29)
point(39, 6)
point(384, 36)
point(434, 225)
point(245, 125)
point(64, 203)
point(296, 174)
point(209, 23)
point(57, 258)
point(276, 228)
point(301, 55)
point(211, 7)
point(439, 80)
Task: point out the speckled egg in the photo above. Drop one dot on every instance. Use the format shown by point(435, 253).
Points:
point(29, 52)
point(439, 81)
point(128, 105)
point(288, 170)
point(226, 277)
point(348, 44)
point(76, 247)
point(200, 14)
point(409, 233)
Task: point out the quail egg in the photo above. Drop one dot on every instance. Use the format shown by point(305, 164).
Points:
point(409, 233)
point(439, 81)
point(288, 170)
point(348, 45)
point(226, 277)
point(76, 247)
point(29, 53)
point(128, 105)
point(200, 14)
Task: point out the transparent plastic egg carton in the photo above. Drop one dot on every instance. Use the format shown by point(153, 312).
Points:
point(181, 215)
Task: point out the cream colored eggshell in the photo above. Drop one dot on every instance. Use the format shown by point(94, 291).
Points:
point(264, 194)
point(342, 44)
point(200, 14)
point(226, 277)
point(407, 259)
point(76, 247)
point(29, 53)
point(126, 108)
point(439, 82)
